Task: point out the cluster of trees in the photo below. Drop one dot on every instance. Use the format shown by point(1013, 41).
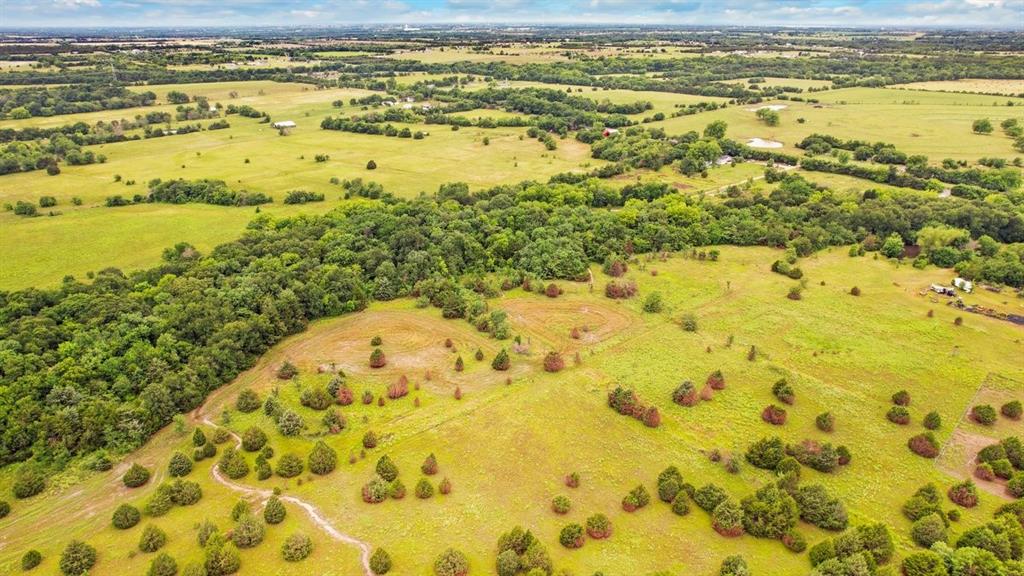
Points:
point(106, 363)
point(206, 191)
point(1004, 460)
point(368, 125)
point(520, 552)
point(28, 102)
point(859, 550)
point(25, 156)
point(996, 547)
point(625, 402)
point(919, 174)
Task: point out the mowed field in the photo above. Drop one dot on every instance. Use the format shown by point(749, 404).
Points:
point(250, 156)
point(506, 447)
point(980, 85)
point(41, 251)
point(935, 124)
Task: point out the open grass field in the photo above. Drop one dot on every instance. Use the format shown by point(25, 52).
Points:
point(250, 156)
point(506, 460)
point(935, 124)
point(980, 85)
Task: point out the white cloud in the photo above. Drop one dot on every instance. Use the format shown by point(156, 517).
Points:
point(77, 3)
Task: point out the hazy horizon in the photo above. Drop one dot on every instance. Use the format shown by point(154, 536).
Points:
point(155, 14)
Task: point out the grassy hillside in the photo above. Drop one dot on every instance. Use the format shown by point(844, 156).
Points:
point(506, 447)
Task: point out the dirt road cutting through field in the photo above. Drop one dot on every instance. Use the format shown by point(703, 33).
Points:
point(314, 513)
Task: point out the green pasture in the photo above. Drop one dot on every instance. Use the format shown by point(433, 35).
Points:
point(506, 447)
point(248, 155)
point(935, 124)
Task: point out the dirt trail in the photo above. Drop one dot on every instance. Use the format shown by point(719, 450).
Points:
point(313, 511)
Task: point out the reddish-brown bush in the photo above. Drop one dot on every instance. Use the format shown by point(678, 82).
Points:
point(345, 395)
point(429, 466)
point(553, 362)
point(574, 333)
point(924, 445)
point(716, 380)
point(380, 401)
point(416, 402)
point(445, 487)
point(964, 494)
point(617, 268)
point(377, 358)
point(458, 393)
point(685, 394)
point(367, 397)
point(572, 480)
point(984, 471)
point(652, 418)
point(706, 393)
point(459, 365)
point(773, 414)
point(620, 289)
point(398, 389)
point(448, 343)
point(552, 290)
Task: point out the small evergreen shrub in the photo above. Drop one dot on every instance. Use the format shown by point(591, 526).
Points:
point(126, 516)
point(248, 401)
point(77, 558)
point(572, 480)
point(380, 562)
point(901, 398)
point(322, 459)
point(571, 536)
point(369, 440)
point(727, 519)
point(709, 496)
point(599, 526)
point(274, 512)
point(253, 439)
point(928, 530)
point(932, 421)
point(636, 499)
point(287, 371)
point(30, 560)
point(1011, 409)
point(289, 466)
point(784, 392)
point(152, 539)
point(984, 414)
point(163, 564)
point(249, 532)
point(561, 504)
point(898, 415)
point(136, 476)
point(424, 489)
point(451, 562)
point(297, 547)
point(376, 491)
point(825, 422)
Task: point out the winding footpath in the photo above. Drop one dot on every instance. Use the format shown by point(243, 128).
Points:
point(314, 513)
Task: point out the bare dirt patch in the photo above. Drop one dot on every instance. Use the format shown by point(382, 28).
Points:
point(552, 320)
point(958, 460)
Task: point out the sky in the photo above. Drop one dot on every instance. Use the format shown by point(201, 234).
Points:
point(157, 13)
